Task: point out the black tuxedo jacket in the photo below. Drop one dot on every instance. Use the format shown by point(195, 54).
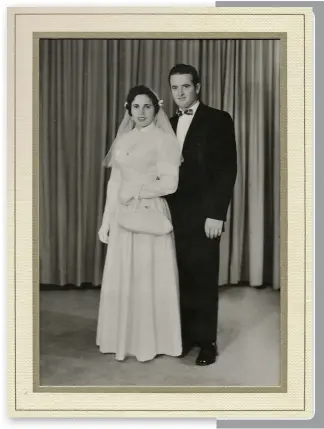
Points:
point(208, 173)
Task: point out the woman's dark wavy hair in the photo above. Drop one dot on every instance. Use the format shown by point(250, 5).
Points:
point(141, 90)
point(185, 69)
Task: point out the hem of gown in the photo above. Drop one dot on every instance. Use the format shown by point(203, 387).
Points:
point(140, 359)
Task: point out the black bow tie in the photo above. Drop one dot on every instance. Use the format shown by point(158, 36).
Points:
point(185, 112)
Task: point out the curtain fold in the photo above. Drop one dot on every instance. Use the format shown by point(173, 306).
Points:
point(83, 86)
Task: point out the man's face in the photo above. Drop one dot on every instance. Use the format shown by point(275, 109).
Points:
point(184, 92)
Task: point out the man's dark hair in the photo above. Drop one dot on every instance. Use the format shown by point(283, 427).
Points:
point(185, 69)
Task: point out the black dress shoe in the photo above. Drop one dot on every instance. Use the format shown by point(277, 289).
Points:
point(207, 355)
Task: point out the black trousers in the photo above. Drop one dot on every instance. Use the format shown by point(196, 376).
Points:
point(198, 264)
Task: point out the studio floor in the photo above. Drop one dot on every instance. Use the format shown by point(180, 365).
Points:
point(248, 343)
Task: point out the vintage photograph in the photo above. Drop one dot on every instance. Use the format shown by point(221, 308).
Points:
point(159, 212)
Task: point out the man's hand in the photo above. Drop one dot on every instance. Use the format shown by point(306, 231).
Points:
point(213, 228)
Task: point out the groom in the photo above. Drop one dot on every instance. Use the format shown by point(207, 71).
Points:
point(199, 207)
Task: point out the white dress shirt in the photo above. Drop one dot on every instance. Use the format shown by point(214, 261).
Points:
point(184, 122)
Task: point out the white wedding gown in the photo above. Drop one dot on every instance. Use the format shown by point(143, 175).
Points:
point(139, 302)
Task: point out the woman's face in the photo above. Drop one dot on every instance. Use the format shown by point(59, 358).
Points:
point(143, 111)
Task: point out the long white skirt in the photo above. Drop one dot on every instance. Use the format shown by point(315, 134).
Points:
point(139, 302)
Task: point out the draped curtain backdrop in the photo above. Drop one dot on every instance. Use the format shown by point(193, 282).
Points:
point(83, 87)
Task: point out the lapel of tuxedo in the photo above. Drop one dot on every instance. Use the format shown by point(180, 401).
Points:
point(195, 126)
point(174, 123)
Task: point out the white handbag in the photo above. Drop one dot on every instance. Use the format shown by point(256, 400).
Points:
point(144, 220)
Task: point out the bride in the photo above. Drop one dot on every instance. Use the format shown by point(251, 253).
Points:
point(139, 303)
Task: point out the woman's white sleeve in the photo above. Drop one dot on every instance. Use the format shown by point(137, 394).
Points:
point(111, 196)
point(167, 169)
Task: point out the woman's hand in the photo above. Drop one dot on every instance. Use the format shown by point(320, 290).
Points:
point(127, 193)
point(125, 199)
point(103, 233)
